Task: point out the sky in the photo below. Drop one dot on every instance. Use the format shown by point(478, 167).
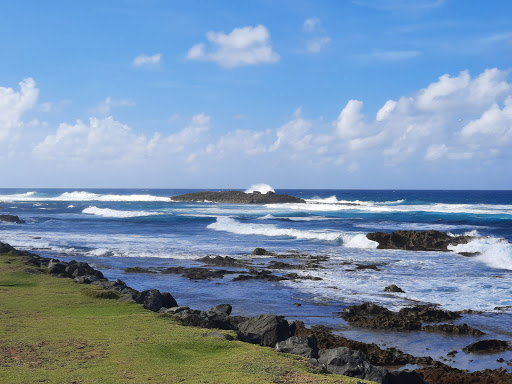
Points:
point(337, 94)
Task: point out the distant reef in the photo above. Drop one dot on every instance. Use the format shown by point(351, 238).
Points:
point(237, 197)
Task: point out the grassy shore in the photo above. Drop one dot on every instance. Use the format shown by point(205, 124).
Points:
point(56, 331)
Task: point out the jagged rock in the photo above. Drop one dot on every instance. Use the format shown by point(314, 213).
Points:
point(198, 273)
point(299, 345)
point(223, 309)
point(451, 329)
point(368, 266)
point(266, 330)
point(237, 197)
point(261, 252)
point(487, 346)
point(417, 240)
point(344, 361)
point(220, 261)
point(374, 316)
point(87, 279)
point(393, 288)
point(11, 219)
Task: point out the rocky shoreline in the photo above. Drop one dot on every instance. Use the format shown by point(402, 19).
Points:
point(333, 353)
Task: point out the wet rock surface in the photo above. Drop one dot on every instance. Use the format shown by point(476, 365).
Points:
point(368, 315)
point(11, 219)
point(487, 346)
point(417, 240)
point(451, 329)
point(394, 288)
point(237, 197)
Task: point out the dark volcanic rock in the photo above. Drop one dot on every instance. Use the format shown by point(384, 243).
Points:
point(138, 270)
point(220, 261)
point(417, 240)
point(198, 273)
point(374, 316)
point(344, 361)
point(451, 329)
point(266, 330)
point(237, 197)
point(261, 252)
point(393, 288)
point(443, 374)
point(299, 345)
point(11, 219)
point(487, 346)
point(153, 300)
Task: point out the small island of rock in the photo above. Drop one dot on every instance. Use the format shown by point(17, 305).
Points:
point(237, 197)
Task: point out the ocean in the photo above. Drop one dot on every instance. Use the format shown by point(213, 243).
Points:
point(113, 229)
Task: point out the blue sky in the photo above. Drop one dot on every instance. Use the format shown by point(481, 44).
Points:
point(296, 94)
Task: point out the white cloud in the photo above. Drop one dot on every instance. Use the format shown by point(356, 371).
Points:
point(436, 151)
point(317, 36)
point(316, 45)
point(350, 120)
point(243, 46)
point(108, 140)
point(495, 122)
point(147, 61)
point(386, 110)
point(104, 107)
point(191, 134)
point(312, 24)
point(243, 142)
point(14, 104)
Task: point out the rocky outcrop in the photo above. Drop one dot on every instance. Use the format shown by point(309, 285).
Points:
point(417, 240)
point(374, 316)
point(237, 197)
point(394, 288)
point(487, 346)
point(11, 219)
point(344, 361)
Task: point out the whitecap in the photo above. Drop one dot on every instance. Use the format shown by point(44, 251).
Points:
point(495, 252)
point(107, 212)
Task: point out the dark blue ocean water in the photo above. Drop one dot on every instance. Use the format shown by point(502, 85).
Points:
point(114, 229)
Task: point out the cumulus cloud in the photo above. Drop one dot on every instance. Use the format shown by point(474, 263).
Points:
point(14, 104)
point(242, 46)
point(147, 61)
point(104, 107)
point(108, 140)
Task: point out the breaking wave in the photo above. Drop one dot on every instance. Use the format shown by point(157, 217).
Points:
point(495, 252)
point(228, 224)
point(81, 196)
point(107, 212)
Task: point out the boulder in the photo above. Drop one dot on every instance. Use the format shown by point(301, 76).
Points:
point(221, 309)
point(299, 345)
point(417, 240)
point(344, 361)
point(11, 219)
point(266, 330)
point(452, 329)
point(394, 288)
point(153, 300)
point(261, 252)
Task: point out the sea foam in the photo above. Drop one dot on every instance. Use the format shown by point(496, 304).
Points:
point(495, 252)
point(263, 188)
point(107, 212)
point(228, 224)
point(81, 196)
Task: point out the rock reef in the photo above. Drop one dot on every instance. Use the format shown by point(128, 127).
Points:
point(237, 197)
point(417, 240)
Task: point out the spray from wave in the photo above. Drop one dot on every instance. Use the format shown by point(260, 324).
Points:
point(350, 240)
point(82, 196)
point(495, 252)
point(263, 188)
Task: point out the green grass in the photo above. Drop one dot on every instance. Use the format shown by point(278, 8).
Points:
point(56, 331)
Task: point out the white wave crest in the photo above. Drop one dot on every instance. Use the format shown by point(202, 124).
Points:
point(81, 196)
point(263, 188)
point(107, 212)
point(494, 252)
point(334, 200)
point(228, 224)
